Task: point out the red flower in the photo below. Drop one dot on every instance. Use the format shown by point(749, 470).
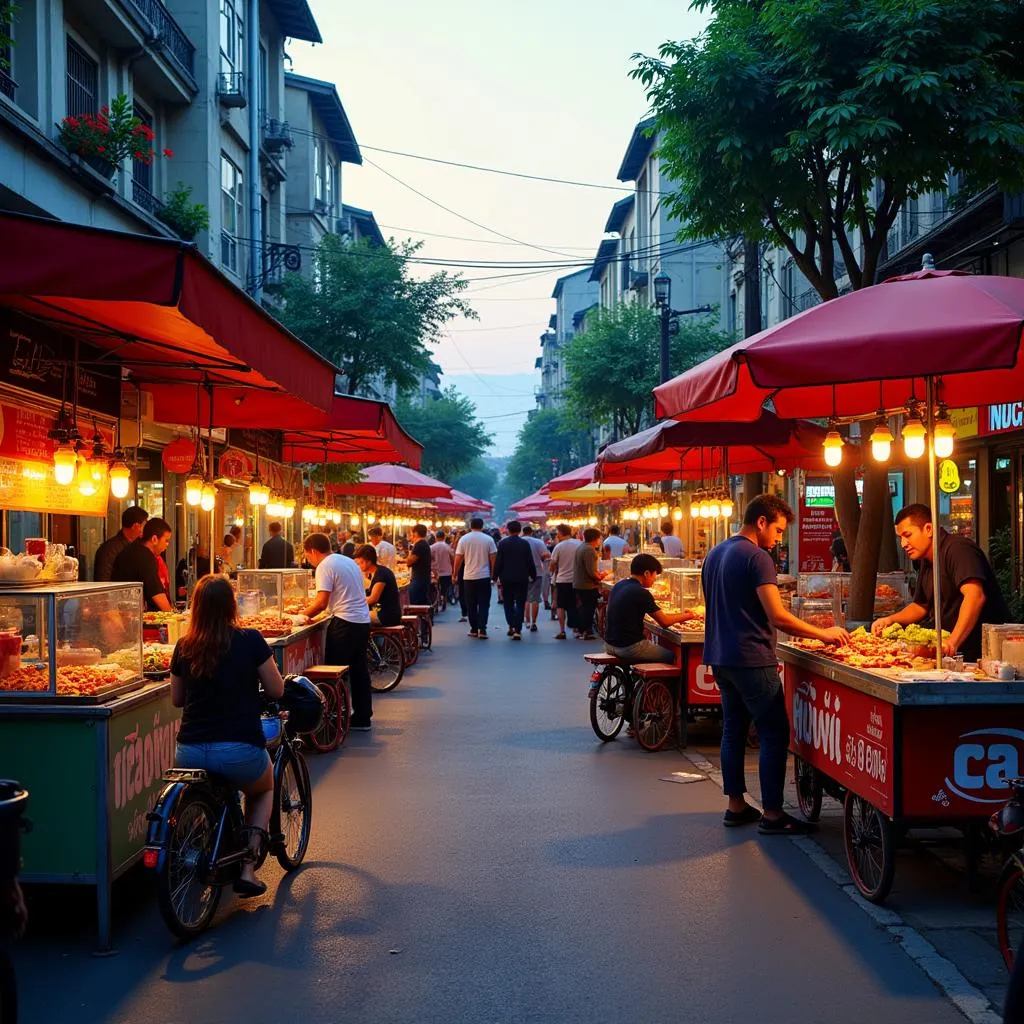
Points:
point(101, 149)
point(168, 153)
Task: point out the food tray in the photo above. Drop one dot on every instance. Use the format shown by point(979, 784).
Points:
point(156, 677)
point(28, 697)
point(24, 584)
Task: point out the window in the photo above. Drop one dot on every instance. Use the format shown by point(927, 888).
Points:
point(318, 174)
point(232, 37)
point(330, 186)
point(232, 212)
point(83, 81)
point(264, 82)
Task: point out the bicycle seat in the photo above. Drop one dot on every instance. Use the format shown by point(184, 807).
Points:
point(597, 658)
point(221, 787)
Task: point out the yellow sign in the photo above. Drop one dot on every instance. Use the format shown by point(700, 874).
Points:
point(949, 477)
point(965, 421)
point(30, 487)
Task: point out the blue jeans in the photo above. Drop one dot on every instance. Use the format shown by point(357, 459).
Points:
point(240, 763)
point(754, 695)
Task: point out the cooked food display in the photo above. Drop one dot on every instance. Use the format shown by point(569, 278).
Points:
point(268, 625)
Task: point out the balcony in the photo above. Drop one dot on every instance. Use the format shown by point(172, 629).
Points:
point(166, 36)
point(231, 89)
point(8, 86)
point(277, 135)
point(142, 197)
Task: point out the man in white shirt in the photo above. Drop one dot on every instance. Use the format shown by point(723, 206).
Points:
point(442, 559)
point(385, 549)
point(670, 544)
point(562, 568)
point(536, 587)
point(614, 545)
point(340, 590)
point(477, 552)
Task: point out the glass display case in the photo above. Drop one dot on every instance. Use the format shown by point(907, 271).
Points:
point(75, 643)
point(820, 612)
point(818, 586)
point(891, 591)
point(620, 567)
point(685, 590)
point(273, 591)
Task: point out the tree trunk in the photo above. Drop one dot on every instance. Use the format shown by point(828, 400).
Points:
point(875, 516)
point(889, 558)
point(751, 288)
point(753, 485)
point(844, 479)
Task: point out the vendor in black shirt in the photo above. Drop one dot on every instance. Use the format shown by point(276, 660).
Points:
point(969, 591)
point(629, 602)
point(419, 561)
point(133, 519)
point(383, 588)
point(142, 562)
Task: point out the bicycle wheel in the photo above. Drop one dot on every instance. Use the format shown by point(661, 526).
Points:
point(344, 708)
point(808, 789)
point(426, 632)
point(652, 714)
point(328, 735)
point(293, 810)
point(187, 902)
point(386, 662)
point(1010, 910)
point(867, 834)
point(608, 704)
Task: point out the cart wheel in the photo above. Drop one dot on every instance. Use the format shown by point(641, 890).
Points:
point(652, 714)
point(1010, 910)
point(808, 788)
point(870, 850)
point(331, 729)
point(608, 704)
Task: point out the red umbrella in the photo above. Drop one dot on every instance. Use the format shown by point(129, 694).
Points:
point(962, 330)
point(462, 502)
point(570, 481)
point(394, 482)
point(537, 500)
point(695, 450)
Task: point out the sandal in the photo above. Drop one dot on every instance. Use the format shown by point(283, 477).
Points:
point(559, 636)
point(748, 816)
point(787, 825)
point(247, 890)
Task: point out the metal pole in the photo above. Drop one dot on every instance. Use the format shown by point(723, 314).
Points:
point(666, 313)
point(255, 195)
point(933, 497)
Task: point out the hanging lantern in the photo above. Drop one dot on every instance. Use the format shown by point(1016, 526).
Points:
point(663, 511)
point(193, 488)
point(913, 434)
point(677, 513)
point(86, 484)
point(833, 445)
point(371, 518)
point(705, 507)
point(208, 496)
point(881, 440)
point(259, 492)
point(354, 522)
point(65, 458)
point(288, 509)
point(695, 507)
point(944, 435)
point(714, 507)
point(120, 477)
point(727, 508)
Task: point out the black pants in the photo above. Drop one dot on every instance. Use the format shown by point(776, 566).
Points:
point(478, 602)
point(346, 645)
point(566, 598)
point(463, 606)
point(586, 606)
point(515, 603)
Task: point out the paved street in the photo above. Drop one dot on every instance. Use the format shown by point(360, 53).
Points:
point(480, 857)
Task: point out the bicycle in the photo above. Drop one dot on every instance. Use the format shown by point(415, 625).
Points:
point(198, 840)
point(1008, 824)
point(385, 656)
point(618, 696)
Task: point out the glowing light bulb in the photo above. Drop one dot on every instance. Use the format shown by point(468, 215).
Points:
point(65, 458)
point(944, 435)
point(259, 492)
point(727, 508)
point(371, 518)
point(98, 469)
point(714, 509)
point(913, 434)
point(208, 497)
point(663, 510)
point(354, 522)
point(120, 479)
point(86, 484)
point(694, 510)
point(881, 441)
point(677, 513)
point(833, 445)
point(705, 508)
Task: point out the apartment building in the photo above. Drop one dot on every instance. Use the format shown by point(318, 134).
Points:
point(572, 293)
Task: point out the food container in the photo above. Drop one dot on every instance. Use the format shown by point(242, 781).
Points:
point(250, 602)
point(1013, 654)
point(994, 636)
point(10, 652)
point(818, 612)
point(36, 546)
point(280, 591)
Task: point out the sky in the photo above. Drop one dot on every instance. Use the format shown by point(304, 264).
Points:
point(540, 87)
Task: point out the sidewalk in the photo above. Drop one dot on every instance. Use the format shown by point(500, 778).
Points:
point(930, 891)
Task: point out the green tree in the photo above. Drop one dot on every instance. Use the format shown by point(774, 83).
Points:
point(477, 479)
point(362, 310)
point(548, 444)
point(7, 11)
point(612, 366)
point(447, 427)
point(810, 123)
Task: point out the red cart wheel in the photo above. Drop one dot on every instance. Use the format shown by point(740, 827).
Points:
point(808, 788)
point(1010, 910)
point(870, 849)
point(329, 734)
point(653, 714)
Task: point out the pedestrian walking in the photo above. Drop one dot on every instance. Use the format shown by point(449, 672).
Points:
point(514, 567)
point(476, 554)
point(442, 559)
point(538, 586)
point(339, 590)
point(743, 610)
point(562, 572)
point(585, 581)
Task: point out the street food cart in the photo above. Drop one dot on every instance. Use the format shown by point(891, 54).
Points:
point(898, 752)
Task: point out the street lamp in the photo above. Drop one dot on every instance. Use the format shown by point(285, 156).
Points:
point(663, 300)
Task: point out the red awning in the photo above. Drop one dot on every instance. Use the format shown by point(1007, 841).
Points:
point(869, 349)
point(352, 430)
point(164, 313)
point(394, 482)
point(462, 502)
point(538, 502)
point(579, 477)
point(695, 450)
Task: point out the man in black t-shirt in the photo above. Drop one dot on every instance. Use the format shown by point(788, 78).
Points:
point(969, 590)
point(419, 562)
point(277, 553)
point(629, 602)
point(383, 588)
point(133, 519)
point(142, 562)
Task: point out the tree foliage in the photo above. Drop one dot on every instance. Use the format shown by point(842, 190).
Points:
point(612, 366)
point(7, 11)
point(548, 444)
point(447, 427)
point(362, 310)
point(810, 122)
point(477, 480)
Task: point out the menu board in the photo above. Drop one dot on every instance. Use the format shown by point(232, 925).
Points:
point(817, 526)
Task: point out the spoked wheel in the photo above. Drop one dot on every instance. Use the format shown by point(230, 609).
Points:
point(870, 848)
point(187, 900)
point(608, 704)
point(330, 733)
point(652, 714)
point(386, 662)
point(293, 811)
point(808, 789)
point(344, 708)
point(1010, 910)
point(411, 645)
point(600, 618)
point(426, 632)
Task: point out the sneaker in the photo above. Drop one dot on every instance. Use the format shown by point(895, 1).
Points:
point(473, 633)
point(482, 635)
point(510, 632)
point(463, 619)
point(787, 825)
point(533, 627)
point(559, 636)
point(517, 636)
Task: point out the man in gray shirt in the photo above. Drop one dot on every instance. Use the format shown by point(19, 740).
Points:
point(586, 580)
point(536, 587)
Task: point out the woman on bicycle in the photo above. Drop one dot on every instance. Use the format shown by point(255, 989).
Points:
point(216, 672)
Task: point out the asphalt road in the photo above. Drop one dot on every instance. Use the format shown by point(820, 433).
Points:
point(480, 857)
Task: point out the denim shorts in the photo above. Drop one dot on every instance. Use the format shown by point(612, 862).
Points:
point(240, 763)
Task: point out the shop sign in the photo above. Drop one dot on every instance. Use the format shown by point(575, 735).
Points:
point(949, 477)
point(817, 525)
point(998, 419)
point(236, 465)
point(965, 422)
point(962, 759)
point(179, 456)
point(701, 687)
point(36, 358)
point(141, 749)
point(265, 443)
point(844, 733)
